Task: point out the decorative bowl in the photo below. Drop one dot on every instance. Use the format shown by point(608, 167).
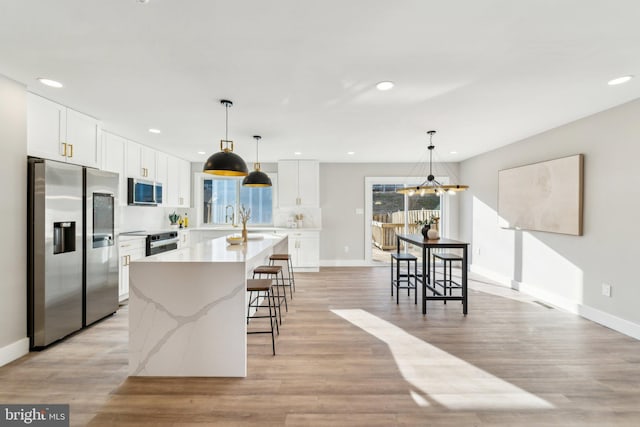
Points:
point(234, 240)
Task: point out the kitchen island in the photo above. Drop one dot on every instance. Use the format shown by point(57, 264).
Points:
point(187, 308)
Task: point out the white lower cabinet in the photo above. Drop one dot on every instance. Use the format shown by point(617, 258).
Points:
point(304, 247)
point(184, 238)
point(129, 249)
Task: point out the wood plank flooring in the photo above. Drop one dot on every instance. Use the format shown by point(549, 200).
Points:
point(369, 362)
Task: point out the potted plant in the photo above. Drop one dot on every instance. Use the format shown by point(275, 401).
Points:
point(174, 218)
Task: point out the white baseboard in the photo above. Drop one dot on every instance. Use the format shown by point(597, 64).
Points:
point(14, 351)
point(347, 263)
point(610, 321)
point(605, 319)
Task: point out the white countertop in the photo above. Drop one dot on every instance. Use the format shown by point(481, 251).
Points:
point(217, 250)
point(252, 229)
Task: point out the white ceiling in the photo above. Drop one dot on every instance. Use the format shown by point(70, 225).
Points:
point(302, 74)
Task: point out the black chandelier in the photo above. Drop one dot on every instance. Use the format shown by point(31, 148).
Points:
point(431, 185)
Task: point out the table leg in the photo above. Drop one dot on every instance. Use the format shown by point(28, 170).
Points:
point(424, 280)
point(397, 245)
point(464, 280)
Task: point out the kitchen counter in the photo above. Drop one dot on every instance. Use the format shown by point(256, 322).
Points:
point(252, 229)
point(187, 308)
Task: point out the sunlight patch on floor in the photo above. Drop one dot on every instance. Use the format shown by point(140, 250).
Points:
point(439, 377)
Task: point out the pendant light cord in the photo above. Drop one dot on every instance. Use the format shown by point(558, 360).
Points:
point(430, 153)
point(226, 122)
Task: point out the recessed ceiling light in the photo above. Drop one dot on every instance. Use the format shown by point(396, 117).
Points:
point(619, 80)
point(351, 153)
point(49, 82)
point(143, 1)
point(453, 152)
point(202, 152)
point(154, 130)
point(385, 85)
point(297, 153)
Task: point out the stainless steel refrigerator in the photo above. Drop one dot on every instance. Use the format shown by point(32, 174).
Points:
point(72, 256)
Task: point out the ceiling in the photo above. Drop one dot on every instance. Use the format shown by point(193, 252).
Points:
point(302, 74)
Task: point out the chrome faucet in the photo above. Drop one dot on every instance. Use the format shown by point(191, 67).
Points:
point(228, 216)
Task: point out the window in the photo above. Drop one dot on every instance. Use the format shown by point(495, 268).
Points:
point(222, 198)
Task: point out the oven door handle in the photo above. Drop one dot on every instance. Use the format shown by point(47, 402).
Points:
point(165, 242)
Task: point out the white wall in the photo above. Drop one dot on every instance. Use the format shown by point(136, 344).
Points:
point(342, 191)
point(568, 270)
point(13, 209)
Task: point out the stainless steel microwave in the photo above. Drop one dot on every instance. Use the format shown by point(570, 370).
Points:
point(141, 192)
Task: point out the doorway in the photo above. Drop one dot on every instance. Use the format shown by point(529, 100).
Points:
point(388, 213)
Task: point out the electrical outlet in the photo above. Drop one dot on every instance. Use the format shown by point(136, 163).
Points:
point(478, 250)
point(606, 290)
point(346, 249)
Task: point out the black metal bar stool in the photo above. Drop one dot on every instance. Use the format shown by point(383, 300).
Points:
point(274, 272)
point(290, 278)
point(263, 286)
point(446, 283)
point(401, 277)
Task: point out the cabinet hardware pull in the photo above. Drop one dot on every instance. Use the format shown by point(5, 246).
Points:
point(71, 150)
point(64, 151)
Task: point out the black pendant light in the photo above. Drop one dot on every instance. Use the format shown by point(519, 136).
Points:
point(226, 162)
point(257, 178)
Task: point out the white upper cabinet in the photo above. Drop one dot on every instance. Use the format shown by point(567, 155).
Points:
point(162, 166)
point(141, 161)
point(60, 133)
point(298, 183)
point(113, 160)
point(82, 139)
point(178, 183)
point(185, 184)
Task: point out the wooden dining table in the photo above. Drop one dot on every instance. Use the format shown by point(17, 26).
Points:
point(428, 282)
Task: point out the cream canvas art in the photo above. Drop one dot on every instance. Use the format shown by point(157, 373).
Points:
point(545, 196)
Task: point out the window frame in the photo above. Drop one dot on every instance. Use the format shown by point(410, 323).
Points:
point(199, 179)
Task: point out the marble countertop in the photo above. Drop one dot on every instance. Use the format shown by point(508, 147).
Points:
point(217, 250)
point(252, 229)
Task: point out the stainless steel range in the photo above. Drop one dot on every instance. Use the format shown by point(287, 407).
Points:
point(161, 242)
point(157, 241)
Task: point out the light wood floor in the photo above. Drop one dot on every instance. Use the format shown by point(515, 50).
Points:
point(369, 363)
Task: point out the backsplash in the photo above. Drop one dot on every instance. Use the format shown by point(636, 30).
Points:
point(286, 217)
point(133, 218)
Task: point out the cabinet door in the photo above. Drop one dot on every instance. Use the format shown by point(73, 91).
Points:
point(184, 198)
point(148, 157)
point(287, 183)
point(308, 251)
point(162, 164)
point(82, 139)
point(134, 160)
point(184, 238)
point(46, 128)
point(123, 284)
point(308, 188)
point(128, 250)
point(113, 155)
point(173, 181)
